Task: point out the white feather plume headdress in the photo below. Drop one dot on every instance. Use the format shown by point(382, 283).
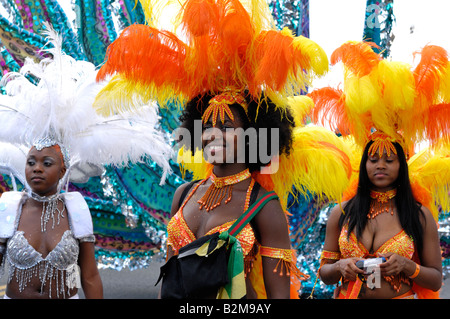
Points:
point(59, 106)
point(12, 163)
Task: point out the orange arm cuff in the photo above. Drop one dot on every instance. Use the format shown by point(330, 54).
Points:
point(287, 263)
point(330, 255)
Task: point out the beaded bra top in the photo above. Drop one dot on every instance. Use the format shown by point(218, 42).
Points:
point(59, 269)
point(401, 244)
point(24, 261)
point(180, 235)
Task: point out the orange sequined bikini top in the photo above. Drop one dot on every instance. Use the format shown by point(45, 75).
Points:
point(179, 233)
point(401, 244)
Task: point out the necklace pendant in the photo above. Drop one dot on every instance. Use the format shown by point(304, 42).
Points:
point(381, 203)
point(50, 209)
point(220, 188)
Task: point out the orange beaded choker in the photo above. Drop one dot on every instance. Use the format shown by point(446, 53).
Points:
point(220, 187)
point(381, 203)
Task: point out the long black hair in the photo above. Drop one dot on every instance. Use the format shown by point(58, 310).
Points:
point(408, 209)
point(261, 114)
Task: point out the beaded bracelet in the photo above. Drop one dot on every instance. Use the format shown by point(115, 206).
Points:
point(416, 272)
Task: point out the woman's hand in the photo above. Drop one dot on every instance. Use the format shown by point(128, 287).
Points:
point(348, 269)
point(395, 264)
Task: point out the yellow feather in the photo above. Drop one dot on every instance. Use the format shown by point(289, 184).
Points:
point(418, 160)
point(383, 121)
point(300, 106)
point(444, 88)
point(431, 169)
point(260, 14)
point(396, 84)
point(313, 167)
point(157, 12)
point(317, 55)
point(196, 164)
point(360, 94)
point(121, 95)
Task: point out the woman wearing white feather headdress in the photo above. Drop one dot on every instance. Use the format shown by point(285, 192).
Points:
point(46, 235)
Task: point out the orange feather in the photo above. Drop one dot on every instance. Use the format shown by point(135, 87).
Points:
point(264, 180)
point(358, 57)
point(329, 107)
point(421, 194)
point(430, 68)
point(351, 190)
point(147, 55)
point(275, 55)
point(200, 17)
point(235, 41)
point(438, 123)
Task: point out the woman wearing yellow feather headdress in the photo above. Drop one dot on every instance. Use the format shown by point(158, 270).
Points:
point(235, 74)
point(386, 108)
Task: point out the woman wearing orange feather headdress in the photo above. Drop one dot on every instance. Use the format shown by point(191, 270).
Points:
point(232, 72)
point(386, 108)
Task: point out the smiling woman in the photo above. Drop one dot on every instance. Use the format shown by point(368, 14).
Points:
point(236, 74)
point(253, 135)
point(221, 133)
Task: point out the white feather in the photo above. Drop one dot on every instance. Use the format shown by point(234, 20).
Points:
point(60, 104)
point(12, 161)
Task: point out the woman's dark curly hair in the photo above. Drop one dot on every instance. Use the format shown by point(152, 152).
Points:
point(262, 113)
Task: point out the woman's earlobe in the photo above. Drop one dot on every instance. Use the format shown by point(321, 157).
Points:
point(63, 172)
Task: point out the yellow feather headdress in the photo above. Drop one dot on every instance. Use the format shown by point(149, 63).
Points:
point(408, 105)
point(388, 101)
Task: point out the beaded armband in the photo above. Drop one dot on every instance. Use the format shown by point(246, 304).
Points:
point(287, 260)
point(329, 255)
point(87, 239)
point(333, 255)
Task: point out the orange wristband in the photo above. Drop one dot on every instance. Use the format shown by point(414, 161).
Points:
point(416, 272)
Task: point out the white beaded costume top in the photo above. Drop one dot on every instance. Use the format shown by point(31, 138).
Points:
point(60, 265)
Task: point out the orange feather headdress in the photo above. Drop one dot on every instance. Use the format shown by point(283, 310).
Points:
point(223, 45)
point(228, 47)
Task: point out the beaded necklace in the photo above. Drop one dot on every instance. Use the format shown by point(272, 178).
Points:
point(221, 187)
point(49, 208)
point(381, 203)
